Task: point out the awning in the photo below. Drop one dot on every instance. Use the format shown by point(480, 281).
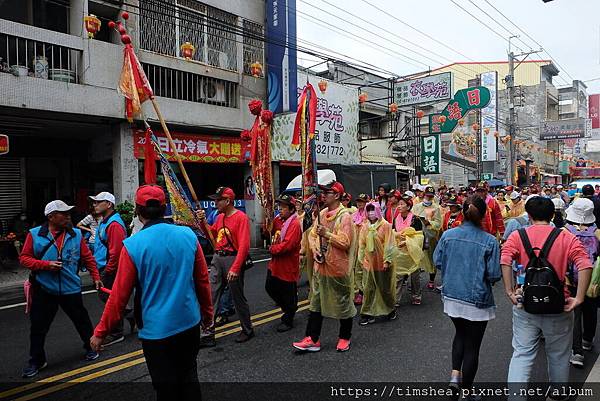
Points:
point(373, 159)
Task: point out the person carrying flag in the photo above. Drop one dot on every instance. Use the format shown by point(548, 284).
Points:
point(333, 244)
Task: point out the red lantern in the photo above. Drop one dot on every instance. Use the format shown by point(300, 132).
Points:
point(486, 130)
point(420, 114)
point(92, 25)
point(322, 86)
point(461, 122)
point(125, 15)
point(496, 134)
point(442, 119)
point(188, 50)
point(362, 98)
point(256, 69)
point(393, 108)
point(475, 127)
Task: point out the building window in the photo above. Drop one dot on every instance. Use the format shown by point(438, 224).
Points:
point(182, 85)
point(253, 44)
point(166, 24)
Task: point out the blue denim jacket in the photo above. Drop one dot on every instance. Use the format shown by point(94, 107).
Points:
point(469, 259)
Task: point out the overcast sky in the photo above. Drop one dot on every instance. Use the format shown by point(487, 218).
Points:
point(568, 29)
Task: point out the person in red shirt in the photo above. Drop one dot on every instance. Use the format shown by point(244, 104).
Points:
point(284, 267)
point(492, 223)
point(231, 231)
point(54, 252)
point(392, 211)
point(453, 217)
point(166, 265)
point(528, 328)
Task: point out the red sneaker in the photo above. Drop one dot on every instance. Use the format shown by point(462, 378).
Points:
point(307, 344)
point(358, 299)
point(343, 345)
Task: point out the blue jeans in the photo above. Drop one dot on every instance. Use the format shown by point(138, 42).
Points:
point(527, 332)
point(226, 303)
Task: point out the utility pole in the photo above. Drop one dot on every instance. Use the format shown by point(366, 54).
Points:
point(510, 85)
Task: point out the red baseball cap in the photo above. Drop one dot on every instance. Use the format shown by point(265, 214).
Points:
point(334, 186)
point(396, 194)
point(222, 193)
point(147, 193)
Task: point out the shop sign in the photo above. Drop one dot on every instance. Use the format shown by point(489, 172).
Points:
point(489, 117)
point(564, 129)
point(433, 88)
point(4, 144)
point(336, 133)
point(197, 148)
point(430, 154)
point(464, 100)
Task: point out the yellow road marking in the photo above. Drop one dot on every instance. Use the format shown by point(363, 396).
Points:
point(220, 333)
point(129, 364)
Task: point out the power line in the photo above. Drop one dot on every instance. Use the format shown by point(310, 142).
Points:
point(529, 36)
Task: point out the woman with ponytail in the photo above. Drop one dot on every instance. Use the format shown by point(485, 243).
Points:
point(469, 259)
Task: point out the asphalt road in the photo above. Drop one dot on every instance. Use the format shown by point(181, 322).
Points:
point(414, 348)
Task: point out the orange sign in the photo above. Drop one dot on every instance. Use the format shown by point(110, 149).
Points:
point(3, 144)
point(197, 148)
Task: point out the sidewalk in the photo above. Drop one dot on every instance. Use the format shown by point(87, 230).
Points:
point(11, 279)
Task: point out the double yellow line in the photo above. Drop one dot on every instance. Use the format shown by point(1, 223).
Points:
point(225, 330)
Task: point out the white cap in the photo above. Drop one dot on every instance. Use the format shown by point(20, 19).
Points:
point(559, 204)
point(531, 197)
point(559, 186)
point(104, 196)
point(515, 195)
point(56, 206)
point(581, 211)
point(410, 194)
point(415, 186)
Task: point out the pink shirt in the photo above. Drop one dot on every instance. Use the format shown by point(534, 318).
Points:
point(566, 248)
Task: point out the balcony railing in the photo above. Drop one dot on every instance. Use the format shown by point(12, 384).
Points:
point(27, 57)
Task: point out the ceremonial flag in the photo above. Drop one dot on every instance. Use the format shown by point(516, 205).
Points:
point(304, 138)
point(133, 84)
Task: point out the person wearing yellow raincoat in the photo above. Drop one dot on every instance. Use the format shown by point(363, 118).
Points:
point(517, 206)
point(358, 218)
point(431, 217)
point(408, 238)
point(333, 244)
point(375, 253)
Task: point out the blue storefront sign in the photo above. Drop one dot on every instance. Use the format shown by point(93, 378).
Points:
point(282, 77)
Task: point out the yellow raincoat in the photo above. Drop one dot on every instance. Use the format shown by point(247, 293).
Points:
point(431, 233)
point(376, 249)
point(409, 254)
point(333, 280)
point(516, 210)
point(358, 268)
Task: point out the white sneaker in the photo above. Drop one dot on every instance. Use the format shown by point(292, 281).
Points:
point(587, 345)
point(577, 360)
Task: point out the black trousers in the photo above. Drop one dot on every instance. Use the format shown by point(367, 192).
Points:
point(586, 320)
point(285, 295)
point(172, 365)
point(465, 348)
point(43, 310)
point(315, 322)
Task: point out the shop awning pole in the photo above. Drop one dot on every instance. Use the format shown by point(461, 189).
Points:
point(182, 168)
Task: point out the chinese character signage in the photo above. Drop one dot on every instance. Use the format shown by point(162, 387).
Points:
point(421, 90)
point(197, 148)
point(464, 101)
point(564, 129)
point(489, 117)
point(336, 133)
point(4, 144)
point(594, 115)
point(281, 55)
point(430, 154)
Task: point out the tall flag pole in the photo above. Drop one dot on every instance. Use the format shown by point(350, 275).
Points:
point(136, 89)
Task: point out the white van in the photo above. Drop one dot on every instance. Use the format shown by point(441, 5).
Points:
point(581, 183)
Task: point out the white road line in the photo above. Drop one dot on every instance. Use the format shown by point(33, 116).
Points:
point(93, 291)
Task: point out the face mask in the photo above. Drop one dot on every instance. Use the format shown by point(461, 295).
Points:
point(372, 215)
point(427, 203)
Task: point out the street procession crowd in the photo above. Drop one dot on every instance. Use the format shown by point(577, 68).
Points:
point(360, 254)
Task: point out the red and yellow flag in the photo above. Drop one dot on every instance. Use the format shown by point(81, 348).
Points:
point(133, 84)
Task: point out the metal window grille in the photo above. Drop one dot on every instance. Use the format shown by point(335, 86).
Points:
point(253, 47)
point(166, 24)
point(38, 59)
point(182, 85)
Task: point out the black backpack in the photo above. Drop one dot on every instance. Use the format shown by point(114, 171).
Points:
point(543, 292)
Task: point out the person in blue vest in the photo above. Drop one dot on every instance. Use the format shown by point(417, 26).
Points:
point(166, 264)
point(109, 241)
point(54, 252)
